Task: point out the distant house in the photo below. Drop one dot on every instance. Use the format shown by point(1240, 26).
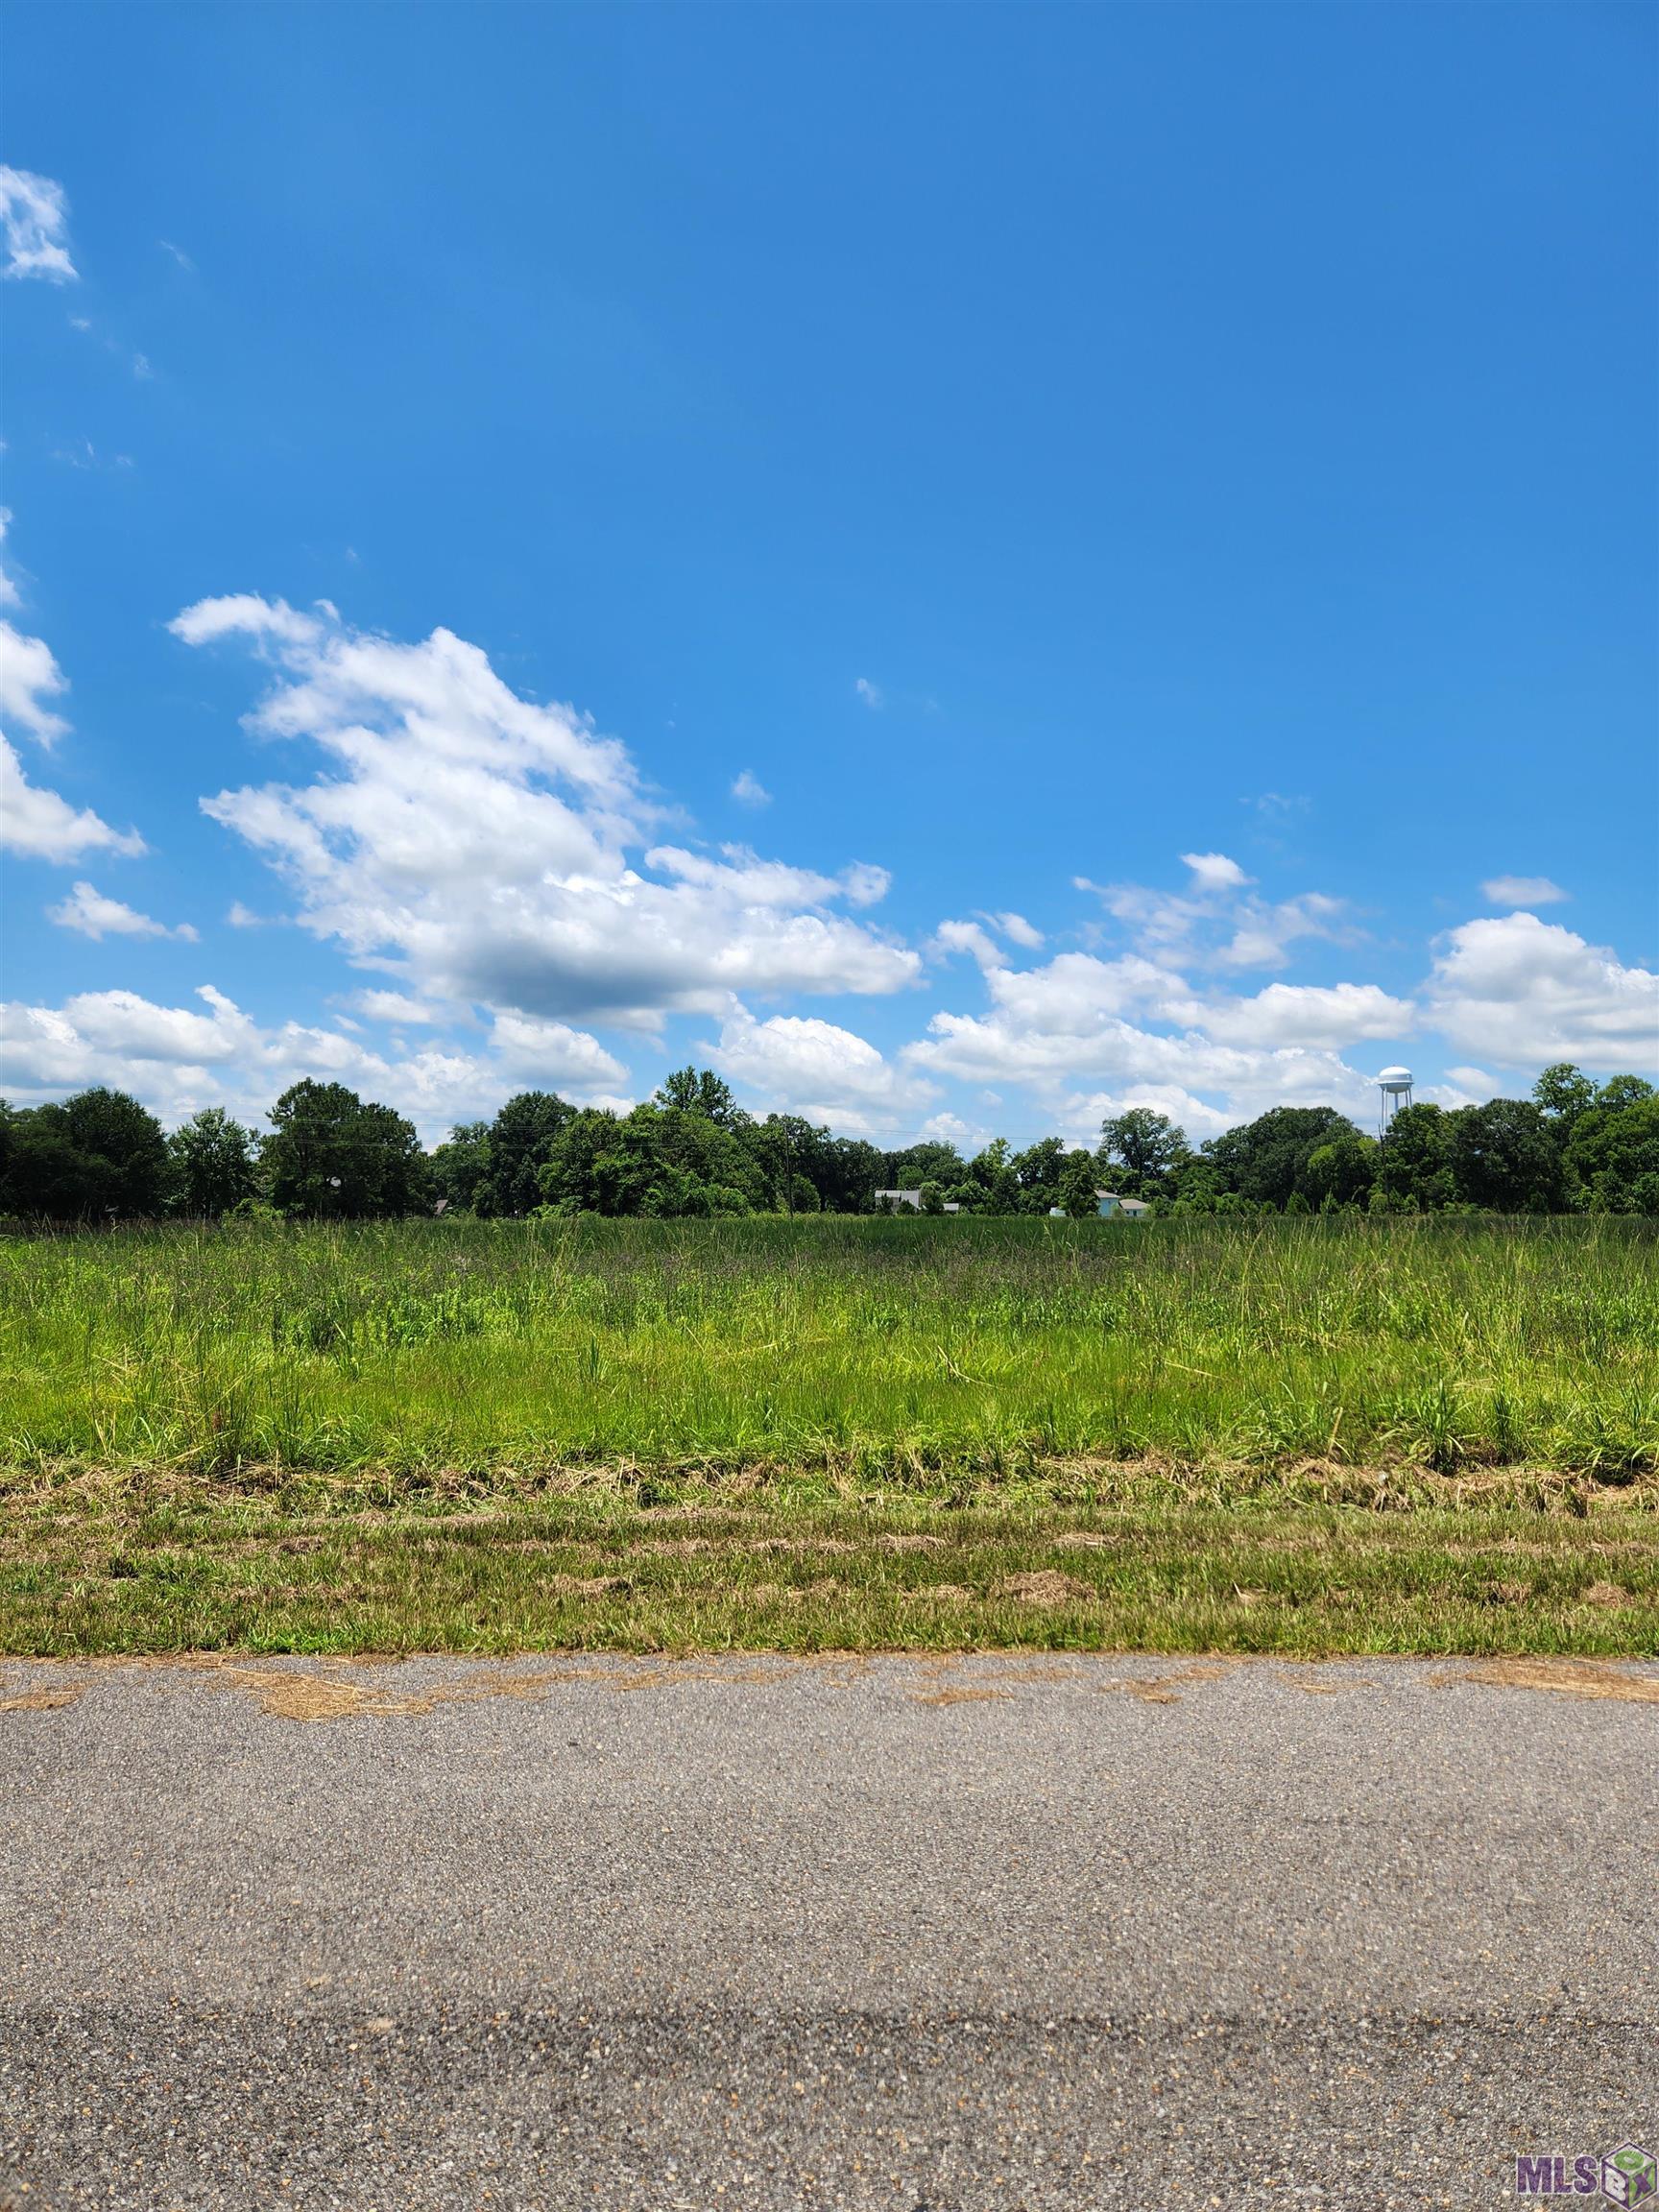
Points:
point(1111, 1208)
point(895, 1199)
point(1125, 1209)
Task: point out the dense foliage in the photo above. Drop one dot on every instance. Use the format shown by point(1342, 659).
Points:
point(1572, 1146)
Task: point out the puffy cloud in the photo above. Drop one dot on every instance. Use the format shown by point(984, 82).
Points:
point(743, 876)
point(972, 938)
point(1018, 930)
point(478, 842)
point(395, 1006)
point(93, 915)
point(36, 822)
point(1079, 1113)
point(968, 1137)
point(1214, 872)
point(1522, 993)
point(246, 614)
point(1077, 1018)
point(40, 826)
point(29, 675)
point(749, 791)
point(1523, 891)
point(35, 213)
point(552, 1056)
point(968, 937)
point(810, 1066)
point(178, 1059)
point(1331, 1014)
point(1264, 933)
point(872, 694)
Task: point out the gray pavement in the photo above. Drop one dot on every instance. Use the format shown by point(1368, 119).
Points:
point(979, 1932)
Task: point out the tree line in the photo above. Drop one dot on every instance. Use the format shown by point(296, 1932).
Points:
point(1573, 1146)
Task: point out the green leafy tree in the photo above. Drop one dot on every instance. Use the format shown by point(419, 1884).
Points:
point(1141, 1153)
point(929, 1163)
point(1564, 1091)
point(338, 1156)
point(699, 1091)
point(1037, 1172)
point(991, 1177)
point(1268, 1159)
point(1624, 1090)
point(521, 1138)
point(844, 1171)
point(211, 1163)
point(1340, 1173)
point(1078, 1186)
point(715, 1154)
point(1612, 1157)
point(932, 1197)
point(569, 1177)
point(1505, 1159)
point(660, 1161)
point(94, 1156)
point(1413, 1166)
point(460, 1164)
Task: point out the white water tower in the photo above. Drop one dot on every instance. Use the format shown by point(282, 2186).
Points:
point(1395, 1087)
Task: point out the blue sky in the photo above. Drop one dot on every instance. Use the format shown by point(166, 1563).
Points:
point(968, 565)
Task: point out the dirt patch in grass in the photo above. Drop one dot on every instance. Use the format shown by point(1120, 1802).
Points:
point(1047, 1587)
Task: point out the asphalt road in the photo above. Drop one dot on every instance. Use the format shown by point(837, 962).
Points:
point(1071, 1933)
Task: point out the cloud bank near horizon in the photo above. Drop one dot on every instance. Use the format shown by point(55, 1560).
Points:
point(497, 867)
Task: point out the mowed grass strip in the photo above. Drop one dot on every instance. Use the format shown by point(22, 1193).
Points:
point(148, 1566)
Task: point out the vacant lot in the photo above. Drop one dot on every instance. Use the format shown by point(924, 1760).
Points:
point(1329, 1436)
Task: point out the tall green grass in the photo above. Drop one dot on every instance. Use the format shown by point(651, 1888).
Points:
point(876, 1346)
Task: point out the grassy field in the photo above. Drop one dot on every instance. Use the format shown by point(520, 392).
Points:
point(1285, 1435)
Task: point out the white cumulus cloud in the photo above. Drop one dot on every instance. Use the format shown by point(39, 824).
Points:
point(30, 676)
point(89, 912)
point(749, 791)
point(178, 1059)
point(1521, 993)
point(35, 823)
point(1078, 1019)
point(1018, 930)
point(801, 1065)
point(1214, 872)
point(38, 824)
point(481, 844)
point(397, 1006)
